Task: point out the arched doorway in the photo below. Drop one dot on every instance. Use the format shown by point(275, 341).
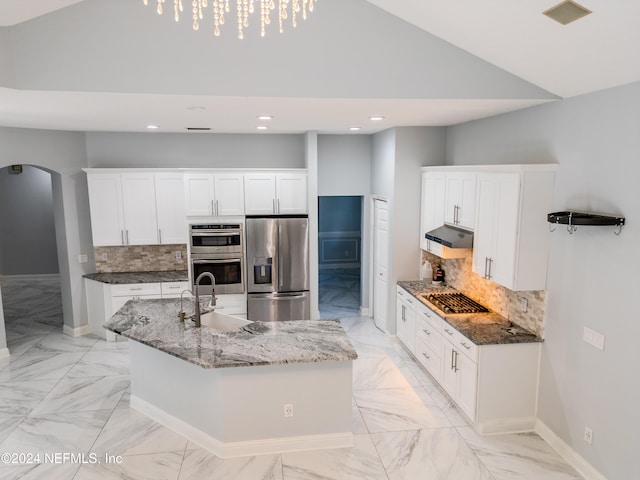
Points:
point(29, 265)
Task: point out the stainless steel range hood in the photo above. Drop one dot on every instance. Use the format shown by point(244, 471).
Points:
point(451, 237)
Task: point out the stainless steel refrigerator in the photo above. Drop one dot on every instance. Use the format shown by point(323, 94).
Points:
point(277, 268)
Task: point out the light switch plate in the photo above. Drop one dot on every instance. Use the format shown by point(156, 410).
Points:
point(593, 338)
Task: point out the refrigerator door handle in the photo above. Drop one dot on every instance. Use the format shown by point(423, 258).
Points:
point(280, 267)
point(278, 296)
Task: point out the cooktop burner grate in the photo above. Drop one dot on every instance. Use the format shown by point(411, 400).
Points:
point(454, 303)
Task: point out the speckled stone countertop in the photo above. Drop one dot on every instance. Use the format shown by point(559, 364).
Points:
point(122, 278)
point(481, 328)
point(155, 323)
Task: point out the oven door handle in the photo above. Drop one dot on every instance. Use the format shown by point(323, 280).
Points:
point(222, 260)
point(228, 233)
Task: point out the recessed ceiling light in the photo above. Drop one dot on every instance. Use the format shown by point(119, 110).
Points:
point(262, 127)
point(265, 117)
point(567, 12)
point(376, 118)
point(354, 129)
point(153, 127)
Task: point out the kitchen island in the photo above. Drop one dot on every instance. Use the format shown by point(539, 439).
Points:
point(261, 388)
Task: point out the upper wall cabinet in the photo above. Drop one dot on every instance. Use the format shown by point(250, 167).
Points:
point(511, 237)
point(123, 208)
point(460, 199)
point(137, 208)
point(276, 194)
point(214, 194)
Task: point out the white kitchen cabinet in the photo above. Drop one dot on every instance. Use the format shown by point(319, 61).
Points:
point(279, 193)
point(406, 318)
point(460, 199)
point(216, 194)
point(495, 385)
point(511, 234)
point(123, 209)
point(170, 208)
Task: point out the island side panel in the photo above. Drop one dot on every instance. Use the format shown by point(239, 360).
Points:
point(240, 411)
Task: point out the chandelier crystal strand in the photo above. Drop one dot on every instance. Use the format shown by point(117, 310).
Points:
point(244, 9)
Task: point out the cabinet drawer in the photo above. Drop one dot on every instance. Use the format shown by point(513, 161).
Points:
point(173, 289)
point(429, 359)
point(461, 343)
point(135, 289)
point(428, 335)
point(430, 317)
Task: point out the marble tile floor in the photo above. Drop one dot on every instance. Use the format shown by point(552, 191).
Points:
point(61, 394)
point(339, 292)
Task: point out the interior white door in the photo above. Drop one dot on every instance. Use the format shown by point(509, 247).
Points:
point(381, 263)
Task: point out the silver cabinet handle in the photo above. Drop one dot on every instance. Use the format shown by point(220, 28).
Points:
point(486, 261)
point(449, 332)
point(468, 347)
point(452, 355)
point(217, 209)
point(278, 205)
point(403, 312)
point(122, 236)
point(133, 289)
point(126, 234)
point(159, 236)
point(426, 356)
point(273, 205)
point(490, 262)
point(427, 332)
point(455, 361)
point(399, 293)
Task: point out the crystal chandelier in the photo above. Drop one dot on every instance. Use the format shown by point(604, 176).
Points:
point(244, 8)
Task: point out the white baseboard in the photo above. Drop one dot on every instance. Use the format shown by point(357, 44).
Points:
point(241, 449)
point(76, 332)
point(572, 457)
point(4, 353)
point(507, 425)
point(8, 279)
point(365, 312)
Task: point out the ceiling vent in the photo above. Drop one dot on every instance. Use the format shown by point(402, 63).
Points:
point(198, 129)
point(567, 12)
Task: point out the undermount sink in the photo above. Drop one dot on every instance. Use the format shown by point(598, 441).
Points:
point(222, 322)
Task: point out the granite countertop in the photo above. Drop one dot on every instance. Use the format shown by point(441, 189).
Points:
point(155, 323)
point(481, 328)
point(122, 278)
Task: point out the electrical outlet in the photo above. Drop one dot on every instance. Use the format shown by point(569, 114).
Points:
point(524, 304)
point(105, 257)
point(288, 409)
point(178, 255)
point(83, 258)
point(588, 435)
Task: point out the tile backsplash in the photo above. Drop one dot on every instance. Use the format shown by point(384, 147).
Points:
point(141, 258)
point(459, 275)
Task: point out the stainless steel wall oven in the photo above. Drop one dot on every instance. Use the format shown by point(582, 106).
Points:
point(219, 250)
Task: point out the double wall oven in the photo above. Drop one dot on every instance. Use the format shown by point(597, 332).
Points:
point(217, 248)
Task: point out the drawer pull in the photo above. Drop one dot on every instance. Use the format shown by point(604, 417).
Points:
point(465, 345)
point(449, 332)
point(174, 287)
point(409, 300)
point(137, 288)
point(426, 356)
point(427, 332)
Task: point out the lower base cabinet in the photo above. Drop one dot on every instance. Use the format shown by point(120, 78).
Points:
point(494, 386)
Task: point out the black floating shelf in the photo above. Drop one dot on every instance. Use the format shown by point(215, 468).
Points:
point(573, 219)
point(581, 218)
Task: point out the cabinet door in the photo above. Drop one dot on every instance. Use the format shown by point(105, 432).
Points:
point(105, 203)
point(229, 194)
point(460, 199)
point(432, 205)
point(401, 319)
point(198, 194)
point(139, 202)
point(172, 218)
point(291, 189)
point(495, 236)
point(259, 194)
point(467, 385)
point(449, 374)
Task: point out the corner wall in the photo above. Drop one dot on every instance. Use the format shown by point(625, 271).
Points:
point(594, 139)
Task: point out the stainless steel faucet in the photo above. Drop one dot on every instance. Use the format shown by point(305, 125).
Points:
point(213, 294)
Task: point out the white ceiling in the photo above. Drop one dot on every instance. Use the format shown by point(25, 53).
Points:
point(596, 52)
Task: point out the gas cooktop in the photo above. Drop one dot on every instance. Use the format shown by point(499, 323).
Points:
point(454, 302)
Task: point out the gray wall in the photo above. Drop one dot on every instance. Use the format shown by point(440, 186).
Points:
point(206, 150)
point(6, 59)
point(344, 165)
point(28, 236)
point(593, 274)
